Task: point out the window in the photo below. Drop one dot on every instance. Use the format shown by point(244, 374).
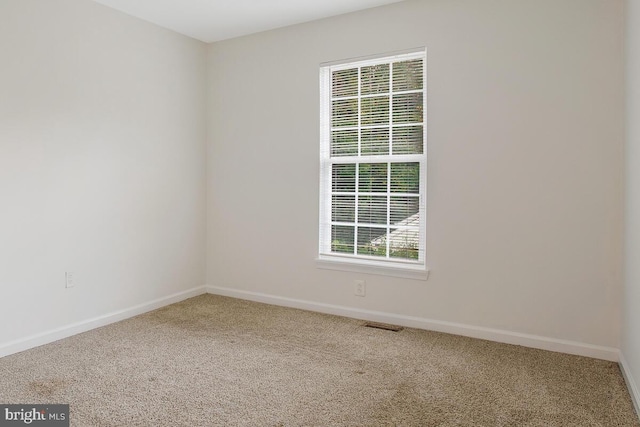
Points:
point(373, 162)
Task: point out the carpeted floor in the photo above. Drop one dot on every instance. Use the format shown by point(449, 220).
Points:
point(216, 361)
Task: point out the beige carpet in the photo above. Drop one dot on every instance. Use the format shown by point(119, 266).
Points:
point(215, 361)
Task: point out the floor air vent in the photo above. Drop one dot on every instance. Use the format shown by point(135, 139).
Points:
point(384, 326)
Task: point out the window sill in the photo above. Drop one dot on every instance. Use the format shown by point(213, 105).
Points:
point(414, 273)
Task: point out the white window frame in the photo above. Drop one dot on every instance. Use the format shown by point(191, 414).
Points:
point(362, 263)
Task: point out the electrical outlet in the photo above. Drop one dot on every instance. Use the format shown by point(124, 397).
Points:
point(69, 279)
point(360, 288)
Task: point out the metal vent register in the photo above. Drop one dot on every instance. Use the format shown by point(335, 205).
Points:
point(384, 326)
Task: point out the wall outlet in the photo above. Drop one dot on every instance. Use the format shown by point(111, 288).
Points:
point(69, 279)
point(360, 288)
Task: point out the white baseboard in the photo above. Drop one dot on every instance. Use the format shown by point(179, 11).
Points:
point(631, 383)
point(497, 335)
point(76, 328)
point(508, 337)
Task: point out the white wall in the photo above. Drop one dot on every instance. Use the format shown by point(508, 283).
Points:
point(102, 136)
point(631, 322)
point(525, 128)
point(102, 133)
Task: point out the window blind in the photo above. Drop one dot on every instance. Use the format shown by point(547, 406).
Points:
point(373, 160)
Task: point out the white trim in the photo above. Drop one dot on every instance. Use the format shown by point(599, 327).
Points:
point(497, 335)
point(358, 265)
point(47, 337)
point(634, 391)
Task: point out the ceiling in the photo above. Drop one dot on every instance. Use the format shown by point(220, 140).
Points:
point(214, 20)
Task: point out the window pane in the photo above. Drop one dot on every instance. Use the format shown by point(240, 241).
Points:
point(342, 238)
point(343, 178)
point(374, 111)
point(372, 178)
point(375, 79)
point(375, 141)
point(372, 209)
point(405, 177)
point(407, 75)
point(404, 210)
point(344, 143)
point(371, 241)
point(343, 208)
point(403, 243)
point(408, 140)
point(344, 113)
point(407, 108)
point(345, 82)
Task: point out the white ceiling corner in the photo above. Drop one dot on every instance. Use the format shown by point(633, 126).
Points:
point(215, 20)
